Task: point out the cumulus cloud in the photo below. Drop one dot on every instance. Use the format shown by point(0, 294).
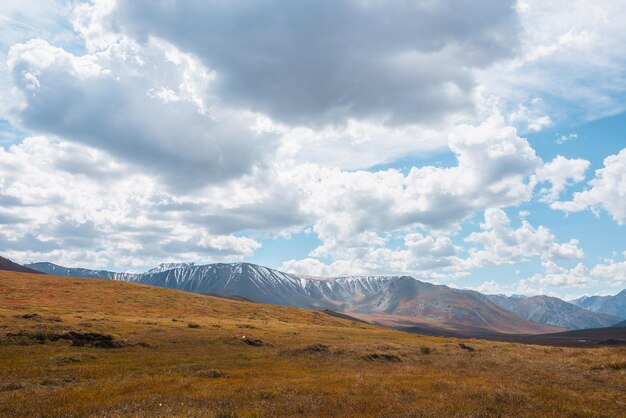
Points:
point(557, 276)
point(606, 191)
point(421, 255)
point(561, 173)
point(99, 210)
point(189, 131)
point(492, 170)
point(502, 244)
point(613, 270)
point(116, 100)
point(352, 212)
point(315, 62)
point(571, 54)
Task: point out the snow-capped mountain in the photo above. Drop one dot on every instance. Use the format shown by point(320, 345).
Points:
point(553, 311)
point(168, 266)
point(56, 270)
point(399, 296)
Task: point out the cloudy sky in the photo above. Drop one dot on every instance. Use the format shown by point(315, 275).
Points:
point(477, 144)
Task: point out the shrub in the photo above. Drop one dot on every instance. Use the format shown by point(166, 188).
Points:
point(426, 350)
point(193, 325)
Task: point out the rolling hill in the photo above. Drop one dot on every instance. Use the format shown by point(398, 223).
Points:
point(378, 297)
point(554, 311)
point(90, 347)
point(8, 265)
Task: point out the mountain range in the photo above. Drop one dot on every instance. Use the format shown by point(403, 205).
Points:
point(398, 301)
point(612, 305)
point(554, 311)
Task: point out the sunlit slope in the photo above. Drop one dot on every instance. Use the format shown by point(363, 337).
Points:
point(77, 347)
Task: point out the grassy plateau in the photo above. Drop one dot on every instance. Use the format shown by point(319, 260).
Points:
point(87, 347)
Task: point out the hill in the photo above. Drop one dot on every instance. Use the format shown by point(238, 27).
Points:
point(88, 347)
point(8, 265)
point(372, 296)
point(554, 311)
point(611, 305)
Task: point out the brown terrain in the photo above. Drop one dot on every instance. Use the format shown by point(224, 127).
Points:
point(91, 347)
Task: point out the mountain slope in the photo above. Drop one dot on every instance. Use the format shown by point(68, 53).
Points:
point(404, 296)
point(611, 305)
point(406, 299)
point(554, 311)
point(8, 265)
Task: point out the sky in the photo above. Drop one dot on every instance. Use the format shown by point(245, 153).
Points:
point(478, 144)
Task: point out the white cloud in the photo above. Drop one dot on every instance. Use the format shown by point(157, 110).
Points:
point(613, 270)
point(565, 138)
point(502, 244)
point(561, 173)
point(531, 119)
point(421, 256)
point(491, 287)
point(77, 205)
point(180, 139)
point(140, 106)
point(571, 54)
point(353, 212)
point(324, 62)
point(607, 190)
point(492, 170)
point(557, 276)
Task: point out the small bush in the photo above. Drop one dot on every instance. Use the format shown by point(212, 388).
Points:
point(193, 325)
point(426, 350)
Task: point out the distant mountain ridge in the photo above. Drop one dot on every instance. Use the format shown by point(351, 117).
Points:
point(554, 311)
point(400, 296)
point(611, 305)
point(57, 270)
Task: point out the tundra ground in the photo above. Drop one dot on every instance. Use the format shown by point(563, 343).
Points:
point(85, 347)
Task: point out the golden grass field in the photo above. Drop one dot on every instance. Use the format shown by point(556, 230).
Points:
point(309, 364)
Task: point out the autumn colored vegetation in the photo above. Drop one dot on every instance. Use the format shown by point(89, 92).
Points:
point(85, 347)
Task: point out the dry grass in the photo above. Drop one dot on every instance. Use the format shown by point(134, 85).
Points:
point(308, 363)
